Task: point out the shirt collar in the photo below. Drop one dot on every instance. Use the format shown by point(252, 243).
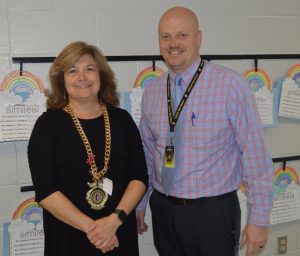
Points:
point(186, 75)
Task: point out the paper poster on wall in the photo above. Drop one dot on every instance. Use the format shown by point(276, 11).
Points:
point(22, 101)
point(24, 235)
point(264, 94)
point(290, 94)
point(286, 198)
point(286, 204)
point(132, 100)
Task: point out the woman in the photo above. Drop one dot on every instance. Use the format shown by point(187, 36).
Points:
point(86, 160)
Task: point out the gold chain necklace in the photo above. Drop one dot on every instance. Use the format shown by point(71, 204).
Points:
point(96, 196)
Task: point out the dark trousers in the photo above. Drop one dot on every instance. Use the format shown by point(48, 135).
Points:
point(209, 228)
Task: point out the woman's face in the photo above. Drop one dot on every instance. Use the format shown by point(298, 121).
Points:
point(82, 80)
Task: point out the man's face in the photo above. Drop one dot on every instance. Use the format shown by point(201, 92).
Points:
point(179, 41)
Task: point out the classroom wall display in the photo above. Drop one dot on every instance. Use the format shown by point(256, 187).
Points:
point(286, 197)
point(265, 95)
point(286, 204)
point(294, 72)
point(132, 100)
point(290, 94)
point(24, 235)
point(28, 210)
point(22, 100)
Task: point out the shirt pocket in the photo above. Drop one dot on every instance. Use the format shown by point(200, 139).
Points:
point(208, 129)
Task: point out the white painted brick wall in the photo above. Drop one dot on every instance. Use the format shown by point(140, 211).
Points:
point(119, 27)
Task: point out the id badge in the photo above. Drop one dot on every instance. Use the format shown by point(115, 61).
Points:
point(169, 157)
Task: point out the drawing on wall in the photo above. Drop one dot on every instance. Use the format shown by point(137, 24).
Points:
point(133, 99)
point(283, 178)
point(286, 205)
point(22, 101)
point(294, 72)
point(258, 79)
point(290, 94)
point(146, 75)
point(24, 235)
point(265, 95)
point(286, 198)
point(28, 210)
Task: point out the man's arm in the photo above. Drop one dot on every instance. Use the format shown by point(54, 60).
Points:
point(258, 169)
point(149, 149)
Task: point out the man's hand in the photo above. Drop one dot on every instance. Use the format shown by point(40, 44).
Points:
point(141, 225)
point(255, 237)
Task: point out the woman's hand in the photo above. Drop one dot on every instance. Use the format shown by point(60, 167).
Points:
point(102, 233)
point(112, 244)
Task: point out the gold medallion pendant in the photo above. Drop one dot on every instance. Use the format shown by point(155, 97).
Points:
point(96, 197)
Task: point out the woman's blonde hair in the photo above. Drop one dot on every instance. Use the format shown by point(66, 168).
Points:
point(58, 97)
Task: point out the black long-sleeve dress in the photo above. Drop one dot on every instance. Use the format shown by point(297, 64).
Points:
point(57, 159)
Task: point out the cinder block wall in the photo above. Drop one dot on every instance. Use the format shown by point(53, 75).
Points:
point(43, 27)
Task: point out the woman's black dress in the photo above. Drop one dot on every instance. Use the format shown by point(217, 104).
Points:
point(57, 159)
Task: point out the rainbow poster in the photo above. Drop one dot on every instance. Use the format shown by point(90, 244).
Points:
point(24, 234)
point(28, 210)
point(285, 177)
point(147, 75)
point(23, 100)
point(258, 79)
point(294, 72)
point(286, 199)
point(23, 86)
point(264, 94)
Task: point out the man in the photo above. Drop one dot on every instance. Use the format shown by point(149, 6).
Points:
point(215, 142)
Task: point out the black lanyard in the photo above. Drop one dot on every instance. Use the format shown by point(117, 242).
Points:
point(173, 119)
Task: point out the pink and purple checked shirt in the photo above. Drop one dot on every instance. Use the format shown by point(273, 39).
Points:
point(222, 140)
